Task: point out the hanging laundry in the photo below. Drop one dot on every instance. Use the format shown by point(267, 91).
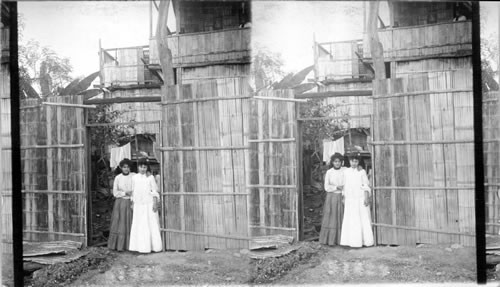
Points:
point(119, 153)
point(331, 147)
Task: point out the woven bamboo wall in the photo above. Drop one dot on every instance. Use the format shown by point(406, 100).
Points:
point(453, 38)
point(6, 239)
point(53, 170)
point(424, 145)
point(227, 46)
point(273, 173)
point(190, 75)
point(404, 68)
point(491, 137)
point(204, 196)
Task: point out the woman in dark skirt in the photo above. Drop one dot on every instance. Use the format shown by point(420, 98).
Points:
point(121, 219)
point(333, 209)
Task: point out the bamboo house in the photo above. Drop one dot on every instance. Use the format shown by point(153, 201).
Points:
point(230, 157)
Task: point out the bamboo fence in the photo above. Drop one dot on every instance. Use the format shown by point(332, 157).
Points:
point(204, 155)
point(6, 229)
point(424, 159)
point(229, 164)
point(491, 137)
point(273, 166)
point(53, 166)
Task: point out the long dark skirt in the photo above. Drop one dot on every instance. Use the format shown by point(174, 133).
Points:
point(333, 212)
point(121, 221)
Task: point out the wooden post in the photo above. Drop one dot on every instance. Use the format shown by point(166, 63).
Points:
point(164, 53)
point(315, 51)
point(376, 49)
point(101, 64)
point(391, 13)
point(150, 19)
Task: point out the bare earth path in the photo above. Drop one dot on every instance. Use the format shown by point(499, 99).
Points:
point(387, 265)
point(132, 269)
point(333, 266)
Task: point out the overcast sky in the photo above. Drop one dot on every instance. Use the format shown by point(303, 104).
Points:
point(288, 27)
point(73, 29)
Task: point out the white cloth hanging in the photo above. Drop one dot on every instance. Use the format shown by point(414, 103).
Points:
point(331, 147)
point(119, 153)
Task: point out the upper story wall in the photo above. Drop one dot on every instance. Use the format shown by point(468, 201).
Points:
point(209, 33)
point(420, 30)
point(340, 60)
point(126, 66)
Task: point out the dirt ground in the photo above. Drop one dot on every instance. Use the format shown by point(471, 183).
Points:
point(7, 274)
point(329, 265)
point(132, 269)
point(387, 265)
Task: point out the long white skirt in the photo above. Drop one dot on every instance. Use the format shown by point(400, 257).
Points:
point(145, 231)
point(356, 225)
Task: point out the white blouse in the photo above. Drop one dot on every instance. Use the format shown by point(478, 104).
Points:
point(356, 183)
point(144, 189)
point(121, 184)
point(334, 178)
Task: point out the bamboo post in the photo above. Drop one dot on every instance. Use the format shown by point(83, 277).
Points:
point(50, 175)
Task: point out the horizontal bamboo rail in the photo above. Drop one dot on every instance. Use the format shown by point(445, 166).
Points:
point(421, 142)
point(421, 93)
point(271, 186)
point(122, 124)
point(271, 140)
point(205, 234)
point(193, 148)
point(423, 187)
point(332, 94)
point(198, 100)
point(54, 191)
point(334, 118)
point(120, 100)
point(205, 193)
point(54, 146)
point(54, 232)
point(422, 229)
point(281, 99)
point(272, 227)
point(70, 105)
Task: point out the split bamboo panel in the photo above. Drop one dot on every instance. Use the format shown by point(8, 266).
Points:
point(230, 45)
point(54, 171)
point(6, 229)
point(435, 201)
point(491, 136)
point(338, 62)
point(273, 181)
point(204, 165)
point(450, 38)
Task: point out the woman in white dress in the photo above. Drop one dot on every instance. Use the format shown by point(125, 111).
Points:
point(356, 225)
point(145, 232)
